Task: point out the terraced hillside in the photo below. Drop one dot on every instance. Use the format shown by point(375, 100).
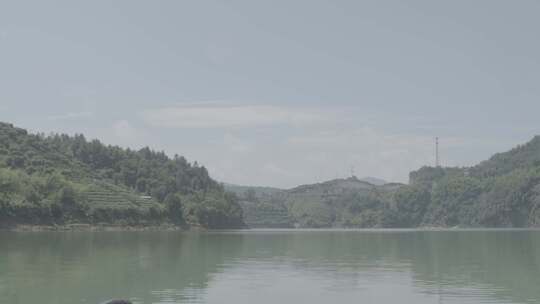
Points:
point(266, 215)
point(105, 196)
point(338, 202)
point(62, 179)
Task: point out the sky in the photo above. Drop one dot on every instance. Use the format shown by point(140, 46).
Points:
point(279, 93)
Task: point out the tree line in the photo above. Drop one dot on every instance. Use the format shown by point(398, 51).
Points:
point(503, 191)
point(59, 178)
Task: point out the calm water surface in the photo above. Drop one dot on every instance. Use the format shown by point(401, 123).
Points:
point(276, 266)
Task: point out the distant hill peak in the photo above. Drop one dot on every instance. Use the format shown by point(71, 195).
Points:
point(344, 183)
point(374, 180)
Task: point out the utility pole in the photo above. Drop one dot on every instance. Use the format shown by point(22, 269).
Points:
point(437, 160)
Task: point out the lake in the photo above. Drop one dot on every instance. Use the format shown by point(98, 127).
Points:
point(271, 266)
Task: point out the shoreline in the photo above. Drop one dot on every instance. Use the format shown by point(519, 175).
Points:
point(170, 227)
point(96, 228)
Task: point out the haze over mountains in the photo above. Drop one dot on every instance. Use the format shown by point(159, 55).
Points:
point(374, 180)
point(240, 189)
point(503, 191)
point(60, 179)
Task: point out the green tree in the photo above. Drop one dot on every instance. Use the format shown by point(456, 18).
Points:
point(173, 202)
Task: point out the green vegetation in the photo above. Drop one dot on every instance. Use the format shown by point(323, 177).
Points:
point(342, 202)
point(266, 215)
point(500, 192)
point(503, 191)
point(262, 206)
point(59, 179)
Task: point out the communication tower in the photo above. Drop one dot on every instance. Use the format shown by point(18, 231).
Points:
point(437, 160)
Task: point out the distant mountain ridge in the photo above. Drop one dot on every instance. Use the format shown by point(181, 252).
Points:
point(312, 205)
point(239, 189)
point(374, 180)
point(503, 191)
point(61, 179)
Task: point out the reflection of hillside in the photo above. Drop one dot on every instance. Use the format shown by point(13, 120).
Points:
point(178, 267)
point(174, 265)
point(441, 261)
point(507, 260)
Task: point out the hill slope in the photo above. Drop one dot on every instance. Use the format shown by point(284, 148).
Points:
point(61, 179)
point(503, 191)
point(338, 202)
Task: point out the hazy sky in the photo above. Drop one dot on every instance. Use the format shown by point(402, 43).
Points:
point(279, 93)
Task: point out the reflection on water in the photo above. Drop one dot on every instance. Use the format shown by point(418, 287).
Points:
point(375, 266)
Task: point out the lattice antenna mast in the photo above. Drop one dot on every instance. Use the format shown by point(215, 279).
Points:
point(437, 159)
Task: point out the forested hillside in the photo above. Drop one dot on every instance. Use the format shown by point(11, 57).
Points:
point(263, 207)
point(503, 191)
point(59, 179)
point(349, 202)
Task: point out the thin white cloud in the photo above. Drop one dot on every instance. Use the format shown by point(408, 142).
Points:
point(71, 116)
point(312, 144)
point(370, 151)
point(235, 144)
point(124, 130)
point(272, 168)
point(222, 115)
